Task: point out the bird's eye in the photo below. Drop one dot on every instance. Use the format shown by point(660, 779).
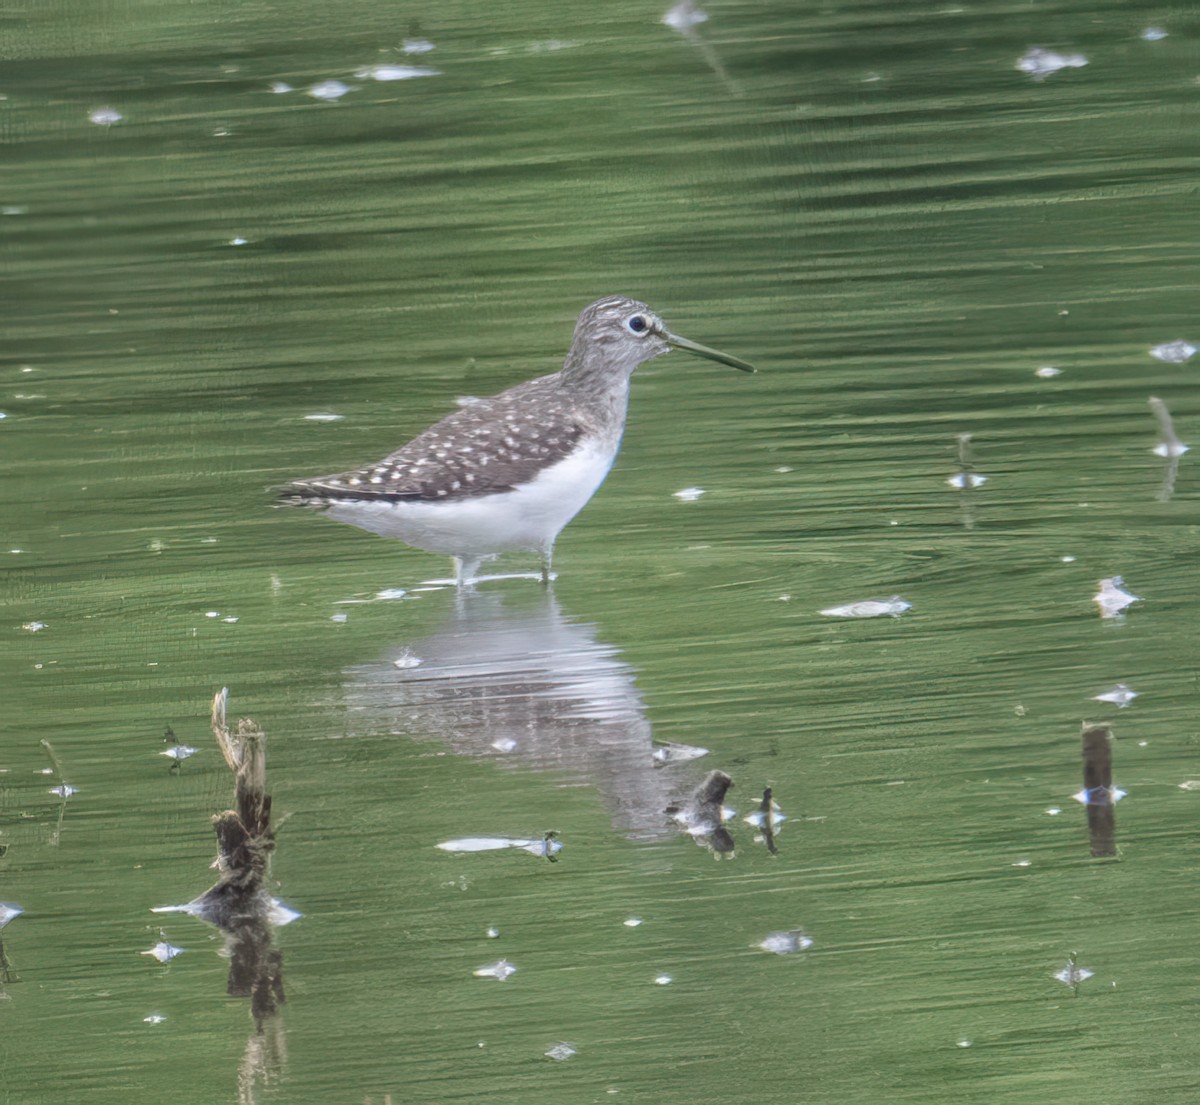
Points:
point(637, 324)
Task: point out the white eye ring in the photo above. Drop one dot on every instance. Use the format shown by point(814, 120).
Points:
point(637, 324)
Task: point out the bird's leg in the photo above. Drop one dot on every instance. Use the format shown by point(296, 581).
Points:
point(547, 554)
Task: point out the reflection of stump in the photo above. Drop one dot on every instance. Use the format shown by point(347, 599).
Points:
point(1098, 791)
point(239, 904)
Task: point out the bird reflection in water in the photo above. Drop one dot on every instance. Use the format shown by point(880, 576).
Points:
point(511, 678)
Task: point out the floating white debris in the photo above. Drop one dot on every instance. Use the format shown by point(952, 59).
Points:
point(281, 914)
point(1054, 811)
point(64, 791)
point(388, 594)
point(667, 753)
point(396, 72)
point(1112, 598)
point(504, 744)
point(1120, 695)
point(406, 660)
point(492, 932)
point(544, 846)
point(663, 980)
point(280, 87)
point(684, 16)
point(689, 494)
point(559, 1052)
point(1022, 863)
point(230, 620)
point(785, 943)
point(34, 627)
point(1067, 559)
point(323, 416)
point(1073, 974)
point(1040, 63)
point(783, 469)
point(212, 613)
point(340, 619)
point(500, 970)
point(632, 922)
point(1190, 784)
point(417, 46)
point(179, 752)
point(163, 952)
point(239, 241)
point(1154, 34)
point(1047, 372)
point(869, 608)
point(1174, 352)
point(9, 911)
point(154, 1018)
point(104, 116)
point(329, 90)
point(964, 1042)
point(964, 481)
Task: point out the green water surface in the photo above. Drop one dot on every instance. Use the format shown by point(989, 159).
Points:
point(865, 198)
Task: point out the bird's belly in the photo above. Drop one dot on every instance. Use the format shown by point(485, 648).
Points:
point(529, 517)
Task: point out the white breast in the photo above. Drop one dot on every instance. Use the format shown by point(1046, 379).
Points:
point(529, 517)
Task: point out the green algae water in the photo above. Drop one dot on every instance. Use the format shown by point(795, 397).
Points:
point(246, 242)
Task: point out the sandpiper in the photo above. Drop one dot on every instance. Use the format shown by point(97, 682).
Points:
point(509, 472)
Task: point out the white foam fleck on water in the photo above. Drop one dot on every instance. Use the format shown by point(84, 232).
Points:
point(179, 752)
point(323, 416)
point(1173, 352)
point(689, 494)
point(500, 970)
point(1040, 63)
point(684, 16)
point(329, 90)
point(396, 72)
point(667, 752)
point(785, 943)
point(560, 1052)
point(1047, 372)
point(1112, 598)
point(869, 608)
point(1073, 974)
point(1121, 695)
point(104, 116)
point(163, 952)
point(543, 846)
